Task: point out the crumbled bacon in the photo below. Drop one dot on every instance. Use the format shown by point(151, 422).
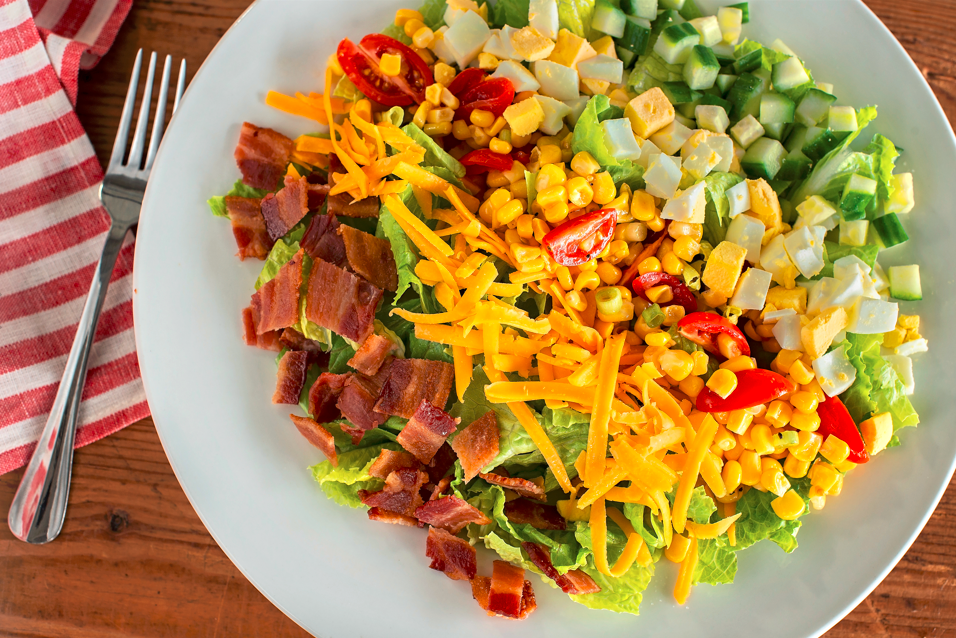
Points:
point(372, 354)
point(356, 402)
point(411, 382)
point(295, 340)
point(439, 490)
point(481, 587)
point(426, 431)
point(477, 445)
point(574, 583)
point(268, 340)
point(277, 301)
point(316, 193)
point(384, 516)
point(370, 257)
point(317, 436)
point(248, 227)
point(523, 487)
point(450, 513)
point(343, 205)
point(324, 394)
point(262, 155)
point(537, 515)
point(287, 207)
point(291, 377)
point(441, 463)
point(401, 492)
point(322, 241)
point(388, 461)
point(341, 302)
point(507, 591)
point(450, 554)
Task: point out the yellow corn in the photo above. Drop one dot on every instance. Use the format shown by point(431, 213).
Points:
point(499, 146)
point(523, 254)
point(672, 264)
point(804, 401)
point(482, 118)
point(701, 360)
point(723, 382)
point(499, 198)
point(686, 248)
point(479, 137)
point(423, 37)
point(552, 195)
point(498, 126)
point(834, 450)
point(750, 468)
point(732, 475)
point(779, 413)
point(784, 360)
point(814, 386)
point(404, 15)
point(673, 314)
point(557, 212)
point(761, 437)
point(608, 273)
point(661, 339)
point(580, 192)
point(789, 506)
point(412, 26)
point(801, 373)
point(656, 224)
point(421, 114)
point(390, 64)
point(549, 154)
point(804, 421)
point(510, 212)
point(584, 164)
point(642, 206)
point(739, 363)
point(823, 475)
point(795, 467)
point(651, 264)
point(677, 364)
point(772, 477)
point(444, 74)
point(519, 188)
point(807, 447)
point(587, 280)
point(691, 386)
point(437, 129)
point(660, 294)
point(739, 421)
point(460, 130)
point(603, 187)
point(444, 114)
point(678, 549)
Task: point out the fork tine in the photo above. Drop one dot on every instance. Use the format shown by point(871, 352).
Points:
point(180, 85)
point(139, 138)
point(119, 146)
point(160, 117)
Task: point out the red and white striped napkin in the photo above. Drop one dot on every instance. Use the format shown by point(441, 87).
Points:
point(52, 228)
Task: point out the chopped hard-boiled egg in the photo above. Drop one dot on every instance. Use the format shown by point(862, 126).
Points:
point(834, 371)
point(554, 114)
point(738, 197)
point(543, 16)
point(524, 117)
point(499, 44)
point(873, 316)
point(805, 251)
point(672, 137)
point(751, 293)
point(602, 67)
point(521, 78)
point(787, 331)
point(531, 44)
point(688, 207)
point(620, 140)
point(557, 81)
point(466, 37)
point(723, 268)
point(571, 49)
point(746, 232)
point(662, 175)
point(649, 112)
point(702, 160)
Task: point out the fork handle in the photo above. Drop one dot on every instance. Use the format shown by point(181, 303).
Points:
point(39, 506)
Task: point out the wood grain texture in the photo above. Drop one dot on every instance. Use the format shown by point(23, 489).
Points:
point(135, 560)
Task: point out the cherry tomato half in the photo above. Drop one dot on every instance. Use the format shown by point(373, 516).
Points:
point(578, 240)
point(681, 293)
point(483, 160)
point(466, 80)
point(360, 63)
point(703, 328)
point(493, 95)
point(754, 387)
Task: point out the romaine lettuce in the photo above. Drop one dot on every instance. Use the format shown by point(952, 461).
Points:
point(768, 57)
point(342, 483)
point(403, 250)
point(509, 12)
point(833, 251)
point(575, 16)
point(589, 136)
point(280, 254)
point(652, 71)
point(717, 218)
point(758, 521)
point(716, 562)
point(218, 204)
point(435, 155)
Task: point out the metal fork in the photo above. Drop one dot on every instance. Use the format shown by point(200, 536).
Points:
point(39, 506)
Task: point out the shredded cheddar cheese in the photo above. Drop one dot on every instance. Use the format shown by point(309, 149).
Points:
point(603, 396)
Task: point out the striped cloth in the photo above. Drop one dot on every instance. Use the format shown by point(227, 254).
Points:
point(52, 228)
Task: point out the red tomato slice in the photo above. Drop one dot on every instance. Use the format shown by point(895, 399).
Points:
point(360, 63)
point(487, 160)
point(578, 240)
point(703, 328)
point(493, 95)
point(466, 80)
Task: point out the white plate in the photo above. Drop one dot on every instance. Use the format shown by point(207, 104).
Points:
point(243, 465)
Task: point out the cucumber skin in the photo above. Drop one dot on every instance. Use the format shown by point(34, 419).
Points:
point(890, 230)
point(909, 290)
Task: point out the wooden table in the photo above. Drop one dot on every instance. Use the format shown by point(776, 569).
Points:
point(134, 559)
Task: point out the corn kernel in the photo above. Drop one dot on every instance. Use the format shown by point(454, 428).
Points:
point(660, 339)
point(656, 224)
point(444, 74)
point(603, 187)
point(789, 506)
point(460, 130)
point(479, 139)
point(421, 114)
point(552, 195)
point(482, 118)
point(390, 64)
point(678, 548)
point(404, 15)
point(673, 314)
point(412, 26)
point(772, 477)
point(519, 188)
point(677, 364)
point(672, 264)
point(763, 443)
point(808, 422)
point(512, 237)
point(685, 229)
point(823, 475)
point(801, 373)
point(580, 192)
point(814, 387)
point(498, 146)
point(739, 363)
point(784, 360)
point(548, 176)
point(732, 475)
point(642, 206)
point(795, 468)
point(557, 212)
point(701, 362)
point(523, 254)
point(807, 446)
point(691, 386)
point(750, 468)
point(584, 164)
point(444, 114)
point(686, 248)
point(723, 382)
point(608, 273)
point(651, 264)
point(497, 179)
point(540, 228)
point(437, 129)
point(588, 280)
point(804, 401)
point(837, 487)
point(660, 294)
point(549, 154)
point(739, 421)
point(834, 450)
point(423, 37)
point(499, 198)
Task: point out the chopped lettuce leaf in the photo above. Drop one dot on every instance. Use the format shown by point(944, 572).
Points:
point(652, 71)
point(397, 32)
point(342, 483)
point(404, 251)
point(884, 154)
point(877, 387)
point(575, 16)
point(339, 355)
point(833, 252)
point(218, 204)
point(758, 521)
point(622, 594)
point(433, 12)
point(589, 136)
point(310, 376)
point(768, 57)
point(280, 254)
point(641, 517)
point(421, 349)
point(509, 12)
point(717, 207)
point(701, 506)
point(435, 155)
point(716, 562)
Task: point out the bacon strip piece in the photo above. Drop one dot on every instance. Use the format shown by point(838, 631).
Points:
point(317, 436)
point(324, 394)
point(441, 463)
point(370, 257)
point(426, 431)
point(262, 155)
point(372, 354)
point(537, 515)
point(439, 490)
point(574, 583)
point(343, 205)
point(318, 190)
point(481, 588)
point(378, 514)
point(291, 377)
point(400, 494)
point(277, 301)
point(388, 461)
point(287, 207)
point(268, 340)
point(295, 340)
point(477, 445)
point(450, 554)
point(507, 589)
point(248, 227)
point(524, 487)
point(342, 302)
point(450, 513)
point(356, 402)
point(322, 241)
point(411, 382)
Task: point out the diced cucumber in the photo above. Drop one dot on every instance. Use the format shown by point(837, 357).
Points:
point(688, 110)
point(676, 42)
point(796, 138)
point(745, 95)
point(744, 9)
point(795, 166)
point(779, 185)
point(842, 121)
point(709, 29)
point(764, 158)
point(857, 196)
point(731, 21)
point(725, 54)
point(890, 230)
point(646, 9)
point(781, 47)
point(854, 233)
point(724, 82)
point(636, 36)
point(709, 99)
point(905, 283)
point(625, 56)
point(712, 117)
point(608, 19)
point(680, 93)
point(789, 74)
point(690, 10)
point(749, 61)
point(686, 121)
point(675, 5)
point(747, 131)
point(775, 108)
point(814, 107)
point(701, 68)
point(777, 130)
point(819, 142)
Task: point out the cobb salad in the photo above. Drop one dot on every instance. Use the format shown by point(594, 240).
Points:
point(591, 284)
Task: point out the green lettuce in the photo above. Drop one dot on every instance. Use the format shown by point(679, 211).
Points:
point(342, 483)
point(280, 254)
point(218, 204)
point(589, 136)
point(717, 217)
point(652, 71)
point(716, 562)
point(623, 594)
point(435, 155)
point(403, 250)
point(758, 521)
point(509, 12)
point(884, 154)
point(648, 525)
point(575, 16)
point(701, 506)
point(833, 252)
point(339, 355)
point(768, 57)
point(433, 12)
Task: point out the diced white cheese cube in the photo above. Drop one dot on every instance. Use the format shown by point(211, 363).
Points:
point(554, 114)
point(815, 209)
point(834, 372)
point(747, 232)
point(499, 45)
point(805, 251)
point(466, 37)
point(738, 196)
point(577, 106)
point(520, 77)
point(649, 151)
point(602, 67)
point(847, 265)
point(910, 348)
point(557, 81)
point(787, 332)
point(709, 29)
point(702, 160)
point(903, 366)
point(873, 316)
point(620, 140)
point(902, 200)
point(688, 207)
point(670, 138)
point(752, 289)
point(543, 16)
point(662, 176)
point(774, 259)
